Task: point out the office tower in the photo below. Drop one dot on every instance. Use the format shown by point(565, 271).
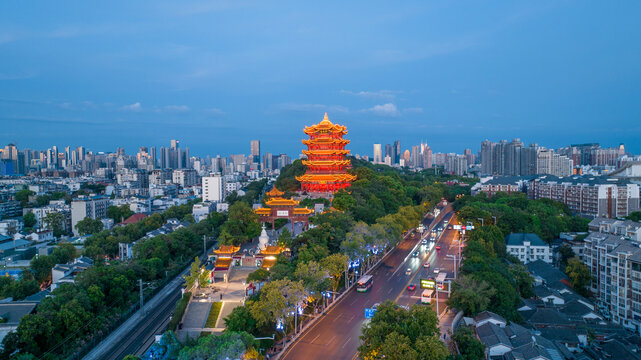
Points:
point(213, 188)
point(174, 144)
point(407, 158)
point(389, 152)
point(81, 153)
point(153, 157)
point(417, 158)
point(268, 161)
point(427, 157)
point(378, 154)
point(68, 154)
point(397, 151)
point(120, 151)
point(255, 150)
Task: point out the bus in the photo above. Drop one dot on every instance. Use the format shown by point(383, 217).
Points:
point(426, 296)
point(364, 283)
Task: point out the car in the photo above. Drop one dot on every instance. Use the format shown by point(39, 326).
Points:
point(426, 265)
point(430, 278)
point(424, 241)
point(408, 271)
point(438, 247)
point(415, 253)
point(449, 227)
point(411, 287)
point(436, 270)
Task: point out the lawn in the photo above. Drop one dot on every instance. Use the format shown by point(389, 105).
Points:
point(213, 314)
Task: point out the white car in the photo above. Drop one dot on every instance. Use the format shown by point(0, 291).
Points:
point(408, 271)
point(436, 270)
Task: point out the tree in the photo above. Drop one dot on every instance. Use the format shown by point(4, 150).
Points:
point(634, 216)
point(579, 275)
point(285, 238)
point(55, 222)
point(228, 345)
point(119, 213)
point(89, 226)
point(335, 265)
point(29, 220)
point(259, 275)
point(23, 196)
point(277, 299)
point(431, 348)
point(471, 348)
point(396, 333)
point(524, 281)
point(470, 296)
point(314, 277)
point(240, 319)
point(194, 274)
point(566, 254)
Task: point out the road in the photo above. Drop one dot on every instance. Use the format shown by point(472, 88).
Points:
point(336, 335)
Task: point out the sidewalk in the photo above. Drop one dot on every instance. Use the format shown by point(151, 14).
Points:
point(232, 294)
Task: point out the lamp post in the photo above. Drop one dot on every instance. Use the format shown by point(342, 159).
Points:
point(494, 217)
point(481, 221)
point(455, 258)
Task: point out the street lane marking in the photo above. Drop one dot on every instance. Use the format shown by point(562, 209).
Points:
point(390, 290)
point(348, 339)
point(315, 338)
point(332, 339)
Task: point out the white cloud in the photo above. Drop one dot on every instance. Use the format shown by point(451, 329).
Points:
point(381, 94)
point(177, 108)
point(136, 107)
point(388, 109)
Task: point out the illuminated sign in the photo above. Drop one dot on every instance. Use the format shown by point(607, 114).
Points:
point(457, 227)
point(282, 213)
point(427, 284)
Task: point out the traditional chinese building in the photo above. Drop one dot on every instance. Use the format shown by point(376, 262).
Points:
point(326, 163)
point(224, 256)
point(281, 208)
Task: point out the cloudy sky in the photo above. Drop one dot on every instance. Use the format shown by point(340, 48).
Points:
point(218, 74)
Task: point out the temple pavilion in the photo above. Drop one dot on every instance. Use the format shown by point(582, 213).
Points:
point(281, 208)
point(326, 163)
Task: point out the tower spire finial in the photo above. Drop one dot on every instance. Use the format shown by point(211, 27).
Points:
point(325, 118)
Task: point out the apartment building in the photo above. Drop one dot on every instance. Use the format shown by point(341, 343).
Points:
point(626, 228)
point(185, 177)
point(213, 188)
point(615, 265)
point(506, 184)
point(94, 207)
point(528, 248)
point(596, 196)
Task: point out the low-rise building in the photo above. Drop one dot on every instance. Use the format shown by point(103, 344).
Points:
point(66, 273)
point(626, 228)
point(528, 247)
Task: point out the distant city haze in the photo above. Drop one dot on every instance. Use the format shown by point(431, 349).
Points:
point(217, 75)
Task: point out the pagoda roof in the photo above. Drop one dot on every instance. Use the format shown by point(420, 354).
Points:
point(268, 263)
point(263, 211)
point(281, 201)
point(227, 249)
point(274, 192)
point(272, 250)
point(326, 177)
point(302, 211)
point(326, 152)
point(325, 162)
point(325, 126)
point(325, 141)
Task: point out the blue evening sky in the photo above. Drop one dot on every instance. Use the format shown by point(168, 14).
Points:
point(218, 74)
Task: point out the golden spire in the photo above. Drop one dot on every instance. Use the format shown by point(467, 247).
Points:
point(326, 119)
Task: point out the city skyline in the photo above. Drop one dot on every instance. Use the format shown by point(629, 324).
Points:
point(440, 74)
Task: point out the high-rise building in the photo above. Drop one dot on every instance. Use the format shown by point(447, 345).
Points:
point(213, 188)
point(427, 157)
point(389, 152)
point(255, 151)
point(397, 151)
point(326, 163)
point(268, 161)
point(407, 158)
point(184, 177)
point(378, 154)
point(153, 157)
point(417, 157)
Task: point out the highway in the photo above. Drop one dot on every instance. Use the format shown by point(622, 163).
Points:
point(336, 335)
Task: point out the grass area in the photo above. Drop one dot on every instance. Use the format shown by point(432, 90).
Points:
point(181, 305)
point(213, 314)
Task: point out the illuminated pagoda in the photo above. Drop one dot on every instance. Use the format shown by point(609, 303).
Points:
point(281, 208)
point(326, 163)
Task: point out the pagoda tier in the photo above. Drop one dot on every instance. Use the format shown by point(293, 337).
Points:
point(326, 163)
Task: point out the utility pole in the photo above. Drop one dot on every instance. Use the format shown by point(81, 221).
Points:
point(204, 245)
point(142, 310)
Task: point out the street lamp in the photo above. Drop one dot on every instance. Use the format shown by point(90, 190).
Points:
point(494, 217)
point(481, 221)
point(455, 258)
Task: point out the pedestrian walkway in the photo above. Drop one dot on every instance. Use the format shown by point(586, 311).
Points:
point(232, 294)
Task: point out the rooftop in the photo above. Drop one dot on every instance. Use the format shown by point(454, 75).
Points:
point(518, 239)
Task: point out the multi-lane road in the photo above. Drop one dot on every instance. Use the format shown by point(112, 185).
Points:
point(336, 335)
